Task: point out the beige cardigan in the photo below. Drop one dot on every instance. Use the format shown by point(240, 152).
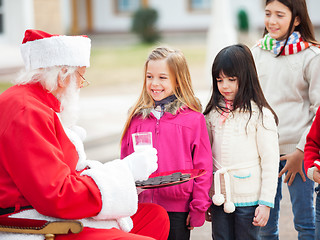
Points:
point(291, 85)
point(246, 160)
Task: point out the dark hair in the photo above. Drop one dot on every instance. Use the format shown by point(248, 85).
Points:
point(298, 9)
point(237, 61)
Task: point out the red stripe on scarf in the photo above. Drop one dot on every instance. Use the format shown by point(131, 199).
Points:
point(291, 49)
point(299, 47)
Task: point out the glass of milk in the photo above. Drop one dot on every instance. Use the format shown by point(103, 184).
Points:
point(141, 140)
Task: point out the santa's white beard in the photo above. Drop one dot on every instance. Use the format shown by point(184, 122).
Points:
point(70, 105)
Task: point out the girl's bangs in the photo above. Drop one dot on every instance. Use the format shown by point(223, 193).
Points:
point(225, 65)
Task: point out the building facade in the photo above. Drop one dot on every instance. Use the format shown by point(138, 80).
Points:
point(115, 16)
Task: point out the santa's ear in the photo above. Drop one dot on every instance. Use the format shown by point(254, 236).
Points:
point(61, 82)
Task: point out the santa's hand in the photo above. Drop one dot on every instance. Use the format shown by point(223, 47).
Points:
point(142, 163)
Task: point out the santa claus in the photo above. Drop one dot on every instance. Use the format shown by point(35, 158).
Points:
point(44, 173)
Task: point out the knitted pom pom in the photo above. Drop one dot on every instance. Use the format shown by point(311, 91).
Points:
point(229, 207)
point(218, 199)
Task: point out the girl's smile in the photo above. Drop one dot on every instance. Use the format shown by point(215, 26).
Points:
point(159, 79)
point(277, 20)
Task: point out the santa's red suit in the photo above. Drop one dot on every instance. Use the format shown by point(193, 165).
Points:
point(43, 165)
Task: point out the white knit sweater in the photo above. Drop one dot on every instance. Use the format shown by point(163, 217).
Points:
point(291, 85)
point(250, 156)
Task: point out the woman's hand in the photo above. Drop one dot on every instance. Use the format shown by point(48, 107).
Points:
point(293, 166)
point(261, 216)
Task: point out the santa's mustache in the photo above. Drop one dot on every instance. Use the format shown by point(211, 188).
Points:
point(70, 104)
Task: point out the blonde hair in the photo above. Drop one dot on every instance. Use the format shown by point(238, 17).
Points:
point(182, 86)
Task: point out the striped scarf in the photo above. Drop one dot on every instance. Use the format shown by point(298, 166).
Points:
point(225, 113)
point(294, 45)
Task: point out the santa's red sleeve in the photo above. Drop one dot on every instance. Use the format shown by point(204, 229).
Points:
point(39, 165)
point(312, 147)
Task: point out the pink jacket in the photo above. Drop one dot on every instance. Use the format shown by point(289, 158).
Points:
point(182, 141)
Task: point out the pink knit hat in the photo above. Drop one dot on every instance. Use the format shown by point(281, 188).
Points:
point(40, 50)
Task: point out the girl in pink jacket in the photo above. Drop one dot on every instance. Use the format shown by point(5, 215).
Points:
point(168, 108)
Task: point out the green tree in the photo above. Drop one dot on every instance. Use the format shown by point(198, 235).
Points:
point(243, 20)
point(144, 24)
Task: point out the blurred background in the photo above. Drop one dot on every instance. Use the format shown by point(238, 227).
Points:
point(124, 31)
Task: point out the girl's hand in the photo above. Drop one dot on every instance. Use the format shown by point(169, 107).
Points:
point(208, 214)
point(188, 223)
point(316, 175)
point(261, 216)
point(293, 166)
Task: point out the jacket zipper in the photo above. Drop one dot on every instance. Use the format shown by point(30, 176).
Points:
point(156, 142)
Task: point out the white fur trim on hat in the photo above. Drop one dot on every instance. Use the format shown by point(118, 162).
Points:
point(56, 51)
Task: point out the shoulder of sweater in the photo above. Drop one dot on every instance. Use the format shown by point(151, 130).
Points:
point(308, 56)
point(266, 111)
point(255, 50)
point(212, 113)
point(314, 49)
point(254, 47)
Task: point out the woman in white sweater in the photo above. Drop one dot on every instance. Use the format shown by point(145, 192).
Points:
point(243, 133)
point(288, 65)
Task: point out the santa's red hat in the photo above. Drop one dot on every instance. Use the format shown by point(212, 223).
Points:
point(40, 50)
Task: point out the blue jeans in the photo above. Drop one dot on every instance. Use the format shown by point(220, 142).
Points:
point(301, 195)
point(237, 225)
point(317, 214)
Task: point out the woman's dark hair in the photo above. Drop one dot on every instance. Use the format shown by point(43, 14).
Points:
point(298, 9)
point(237, 61)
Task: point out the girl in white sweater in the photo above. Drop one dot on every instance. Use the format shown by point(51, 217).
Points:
point(243, 133)
point(288, 65)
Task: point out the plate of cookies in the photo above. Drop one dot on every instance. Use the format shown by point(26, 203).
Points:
point(170, 178)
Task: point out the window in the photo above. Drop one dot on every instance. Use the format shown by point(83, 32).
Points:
point(200, 5)
point(1, 17)
point(127, 6)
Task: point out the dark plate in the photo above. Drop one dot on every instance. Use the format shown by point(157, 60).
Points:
point(186, 176)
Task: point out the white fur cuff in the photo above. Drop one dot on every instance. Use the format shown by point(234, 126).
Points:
point(117, 188)
point(310, 173)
